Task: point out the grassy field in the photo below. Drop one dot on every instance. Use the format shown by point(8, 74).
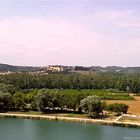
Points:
point(134, 105)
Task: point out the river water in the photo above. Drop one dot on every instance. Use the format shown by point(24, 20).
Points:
point(23, 129)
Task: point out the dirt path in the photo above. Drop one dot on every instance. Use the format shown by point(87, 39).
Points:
point(71, 119)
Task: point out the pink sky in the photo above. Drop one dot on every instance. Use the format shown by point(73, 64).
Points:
point(104, 37)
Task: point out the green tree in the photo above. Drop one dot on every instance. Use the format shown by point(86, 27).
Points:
point(44, 100)
point(19, 101)
point(92, 105)
point(6, 101)
point(7, 88)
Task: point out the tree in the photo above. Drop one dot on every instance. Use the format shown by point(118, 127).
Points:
point(44, 100)
point(92, 105)
point(19, 101)
point(7, 88)
point(5, 101)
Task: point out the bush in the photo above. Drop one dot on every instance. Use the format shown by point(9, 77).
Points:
point(118, 107)
point(111, 90)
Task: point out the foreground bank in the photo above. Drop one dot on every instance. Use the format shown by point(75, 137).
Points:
point(71, 119)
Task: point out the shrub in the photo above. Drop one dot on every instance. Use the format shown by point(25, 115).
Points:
point(118, 107)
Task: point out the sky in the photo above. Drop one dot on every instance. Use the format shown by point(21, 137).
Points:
point(70, 32)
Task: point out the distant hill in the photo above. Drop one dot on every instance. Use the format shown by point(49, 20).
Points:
point(11, 68)
point(108, 69)
point(116, 69)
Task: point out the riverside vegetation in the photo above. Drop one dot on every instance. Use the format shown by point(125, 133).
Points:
point(66, 93)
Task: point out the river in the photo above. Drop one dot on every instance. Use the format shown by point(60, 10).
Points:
point(23, 129)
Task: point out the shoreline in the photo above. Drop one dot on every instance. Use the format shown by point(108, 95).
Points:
point(71, 119)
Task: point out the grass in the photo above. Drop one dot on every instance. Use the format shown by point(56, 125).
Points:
point(59, 114)
point(28, 113)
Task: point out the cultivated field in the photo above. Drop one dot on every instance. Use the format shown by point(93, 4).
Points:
point(134, 105)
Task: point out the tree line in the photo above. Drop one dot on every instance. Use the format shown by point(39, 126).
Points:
point(54, 102)
point(120, 81)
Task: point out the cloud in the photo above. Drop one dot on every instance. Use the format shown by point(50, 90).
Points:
point(55, 49)
point(38, 38)
point(121, 18)
point(81, 41)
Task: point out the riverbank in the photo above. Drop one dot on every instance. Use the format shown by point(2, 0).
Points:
point(115, 122)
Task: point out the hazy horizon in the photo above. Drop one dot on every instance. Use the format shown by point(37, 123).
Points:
point(86, 33)
point(28, 65)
